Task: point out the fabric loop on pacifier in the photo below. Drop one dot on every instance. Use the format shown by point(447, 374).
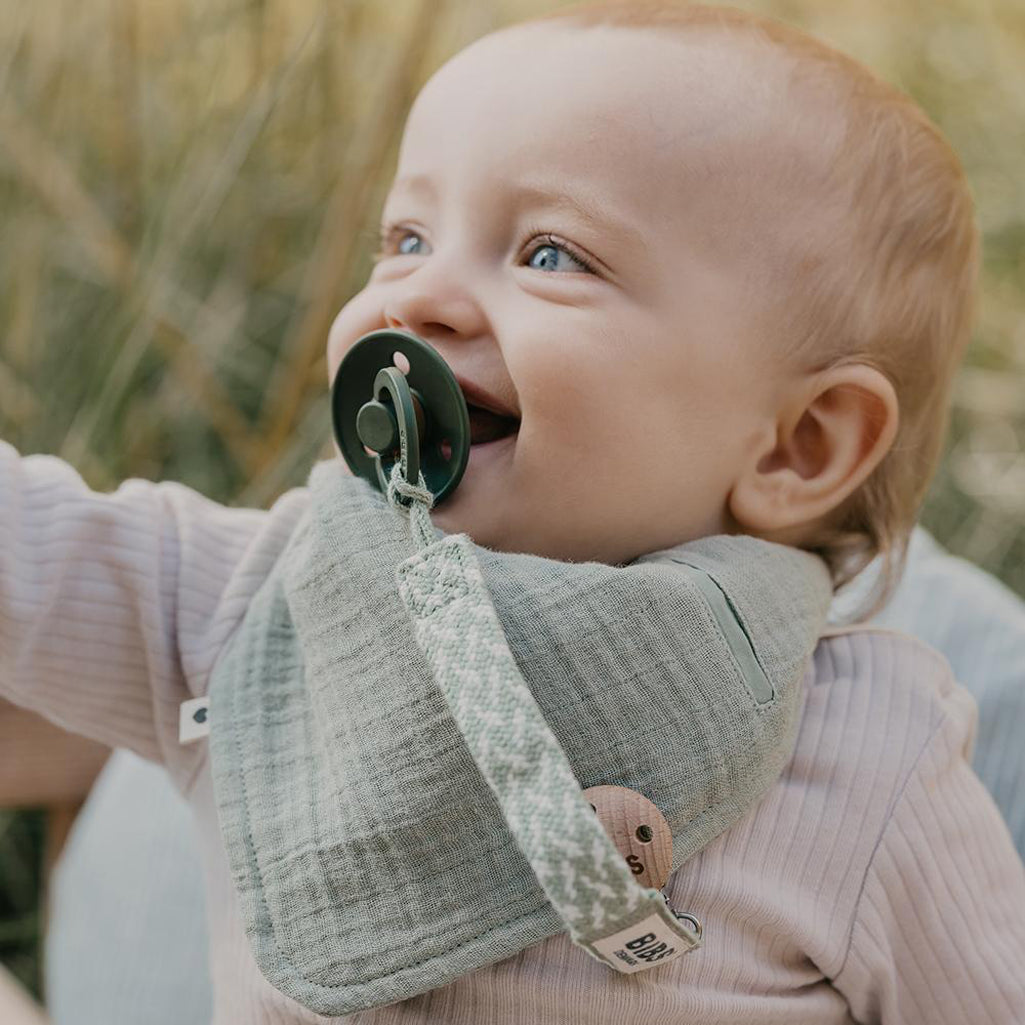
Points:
point(414, 499)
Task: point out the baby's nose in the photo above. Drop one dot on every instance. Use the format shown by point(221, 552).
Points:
point(434, 308)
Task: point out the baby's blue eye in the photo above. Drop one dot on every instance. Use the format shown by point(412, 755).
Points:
point(399, 241)
point(546, 258)
point(406, 249)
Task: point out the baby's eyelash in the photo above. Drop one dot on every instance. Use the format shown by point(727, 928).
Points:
point(387, 239)
point(390, 234)
point(548, 239)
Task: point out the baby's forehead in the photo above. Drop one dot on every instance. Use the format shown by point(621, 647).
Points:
point(555, 84)
point(695, 124)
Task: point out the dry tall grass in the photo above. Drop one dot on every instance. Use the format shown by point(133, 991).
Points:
point(189, 191)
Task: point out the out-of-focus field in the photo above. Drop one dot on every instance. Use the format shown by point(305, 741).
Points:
point(189, 190)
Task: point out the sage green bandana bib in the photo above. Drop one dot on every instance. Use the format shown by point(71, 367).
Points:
point(400, 739)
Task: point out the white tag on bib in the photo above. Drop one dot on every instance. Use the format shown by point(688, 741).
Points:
point(656, 940)
point(193, 719)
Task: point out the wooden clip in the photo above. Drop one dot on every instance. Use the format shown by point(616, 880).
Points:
point(639, 831)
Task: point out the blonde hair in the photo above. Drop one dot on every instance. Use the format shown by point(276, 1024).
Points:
point(897, 291)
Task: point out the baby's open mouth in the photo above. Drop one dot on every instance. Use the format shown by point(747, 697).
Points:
point(487, 426)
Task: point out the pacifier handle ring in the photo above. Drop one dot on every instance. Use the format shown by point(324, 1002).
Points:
point(391, 381)
point(443, 436)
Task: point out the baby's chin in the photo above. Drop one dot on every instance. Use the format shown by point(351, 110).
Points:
point(491, 524)
point(461, 514)
point(500, 529)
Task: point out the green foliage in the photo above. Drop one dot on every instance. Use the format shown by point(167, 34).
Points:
point(21, 841)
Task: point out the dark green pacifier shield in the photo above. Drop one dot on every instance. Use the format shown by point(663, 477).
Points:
point(368, 409)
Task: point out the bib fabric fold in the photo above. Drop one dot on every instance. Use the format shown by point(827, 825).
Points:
point(371, 857)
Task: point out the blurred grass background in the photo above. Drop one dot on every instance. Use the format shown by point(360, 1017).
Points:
point(189, 190)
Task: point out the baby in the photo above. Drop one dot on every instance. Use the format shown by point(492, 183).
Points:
point(712, 278)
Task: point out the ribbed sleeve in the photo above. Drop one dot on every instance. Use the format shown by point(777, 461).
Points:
point(114, 606)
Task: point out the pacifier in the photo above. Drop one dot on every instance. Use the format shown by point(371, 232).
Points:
point(383, 416)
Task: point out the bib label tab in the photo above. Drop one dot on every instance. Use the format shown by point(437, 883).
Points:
point(193, 719)
point(649, 943)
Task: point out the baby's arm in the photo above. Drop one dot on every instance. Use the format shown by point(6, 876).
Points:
point(939, 935)
point(112, 607)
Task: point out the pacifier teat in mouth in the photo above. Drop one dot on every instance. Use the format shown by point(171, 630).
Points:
point(418, 418)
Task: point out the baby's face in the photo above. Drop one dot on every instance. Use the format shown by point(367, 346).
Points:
point(570, 226)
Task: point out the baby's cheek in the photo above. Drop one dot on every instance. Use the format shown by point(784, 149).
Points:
point(360, 315)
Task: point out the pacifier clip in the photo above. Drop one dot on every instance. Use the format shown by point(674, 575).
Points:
point(625, 925)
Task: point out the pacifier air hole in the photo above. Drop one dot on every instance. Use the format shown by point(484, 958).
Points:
point(400, 360)
point(445, 447)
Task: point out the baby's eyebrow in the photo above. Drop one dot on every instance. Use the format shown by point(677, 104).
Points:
point(599, 217)
point(416, 183)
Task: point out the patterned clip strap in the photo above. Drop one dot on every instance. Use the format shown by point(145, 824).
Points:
point(618, 922)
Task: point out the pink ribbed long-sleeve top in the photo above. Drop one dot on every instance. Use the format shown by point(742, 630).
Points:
point(875, 882)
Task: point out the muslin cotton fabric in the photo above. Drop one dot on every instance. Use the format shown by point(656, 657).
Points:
point(371, 858)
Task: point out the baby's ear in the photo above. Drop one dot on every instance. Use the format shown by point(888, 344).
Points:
point(835, 428)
